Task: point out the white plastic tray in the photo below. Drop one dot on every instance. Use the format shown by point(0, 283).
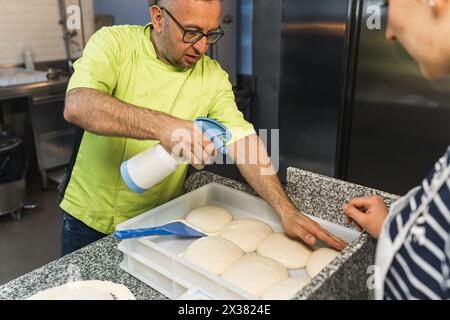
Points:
point(158, 260)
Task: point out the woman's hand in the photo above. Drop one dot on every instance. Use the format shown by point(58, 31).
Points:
point(368, 213)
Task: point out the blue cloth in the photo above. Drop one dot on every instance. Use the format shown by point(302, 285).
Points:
point(421, 265)
point(76, 235)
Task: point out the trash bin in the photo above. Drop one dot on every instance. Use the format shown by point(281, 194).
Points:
point(13, 166)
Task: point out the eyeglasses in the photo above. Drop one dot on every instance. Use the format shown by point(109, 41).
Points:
point(194, 36)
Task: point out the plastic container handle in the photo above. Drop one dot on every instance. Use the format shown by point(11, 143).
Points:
point(129, 234)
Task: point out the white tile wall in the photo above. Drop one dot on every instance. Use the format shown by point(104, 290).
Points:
point(34, 24)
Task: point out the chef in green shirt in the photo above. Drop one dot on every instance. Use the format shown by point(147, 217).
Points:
point(131, 89)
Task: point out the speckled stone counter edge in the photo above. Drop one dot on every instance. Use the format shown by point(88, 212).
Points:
point(322, 197)
point(98, 261)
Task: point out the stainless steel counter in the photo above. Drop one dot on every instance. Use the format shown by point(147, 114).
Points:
point(47, 88)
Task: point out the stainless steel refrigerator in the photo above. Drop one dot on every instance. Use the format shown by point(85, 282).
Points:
point(348, 103)
point(396, 124)
point(299, 48)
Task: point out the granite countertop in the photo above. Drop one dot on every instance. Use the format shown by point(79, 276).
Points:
point(98, 261)
point(313, 194)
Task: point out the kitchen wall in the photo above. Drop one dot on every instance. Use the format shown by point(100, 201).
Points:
point(245, 27)
point(136, 12)
point(124, 12)
point(34, 24)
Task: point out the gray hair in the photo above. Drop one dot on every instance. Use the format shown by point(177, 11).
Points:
point(166, 3)
point(163, 3)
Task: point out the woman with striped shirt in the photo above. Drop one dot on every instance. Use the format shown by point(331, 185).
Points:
point(413, 250)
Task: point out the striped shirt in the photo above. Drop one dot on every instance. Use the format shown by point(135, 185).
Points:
point(420, 266)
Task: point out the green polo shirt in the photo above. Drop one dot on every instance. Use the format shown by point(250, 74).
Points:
point(121, 61)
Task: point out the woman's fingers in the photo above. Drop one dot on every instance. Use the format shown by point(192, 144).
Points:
point(363, 203)
point(354, 214)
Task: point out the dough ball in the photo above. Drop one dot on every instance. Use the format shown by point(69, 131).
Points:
point(82, 293)
point(319, 259)
point(246, 233)
point(86, 290)
point(209, 219)
point(213, 254)
point(285, 289)
point(255, 274)
point(289, 252)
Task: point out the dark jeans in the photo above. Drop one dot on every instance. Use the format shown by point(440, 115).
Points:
point(75, 234)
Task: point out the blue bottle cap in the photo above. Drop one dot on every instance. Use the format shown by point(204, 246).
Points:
point(216, 132)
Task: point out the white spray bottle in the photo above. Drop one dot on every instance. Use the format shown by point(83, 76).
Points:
point(146, 169)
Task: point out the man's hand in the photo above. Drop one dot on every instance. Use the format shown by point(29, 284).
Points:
point(267, 184)
point(186, 140)
point(368, 213)
point(297, 225)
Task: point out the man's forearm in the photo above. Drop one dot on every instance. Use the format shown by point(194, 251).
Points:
point(260, 173)
point(101, 114)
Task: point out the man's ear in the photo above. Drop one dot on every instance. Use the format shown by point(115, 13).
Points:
point(440, 6)
point(157, 18)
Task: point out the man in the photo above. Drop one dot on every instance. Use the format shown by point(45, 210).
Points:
point(135, 86)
